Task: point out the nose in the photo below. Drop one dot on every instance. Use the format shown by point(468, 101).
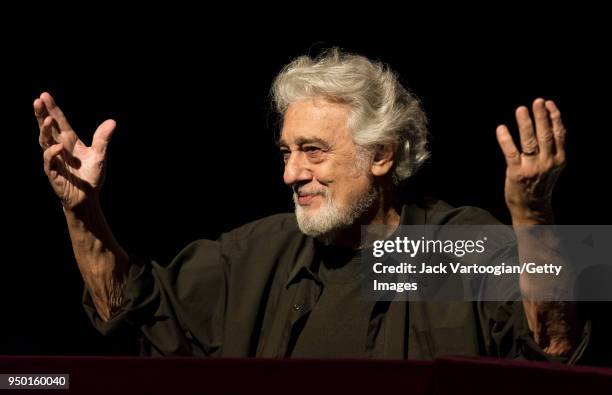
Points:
point(296, 169)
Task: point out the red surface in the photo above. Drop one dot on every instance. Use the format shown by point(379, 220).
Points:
point(492, 376)
point(127, 375)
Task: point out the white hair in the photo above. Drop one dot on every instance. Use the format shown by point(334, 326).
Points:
point(383, 112)
point(331, 218)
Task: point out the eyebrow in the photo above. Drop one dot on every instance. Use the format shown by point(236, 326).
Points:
point(303, 140)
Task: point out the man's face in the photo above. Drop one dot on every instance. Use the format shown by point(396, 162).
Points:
point(328, 173)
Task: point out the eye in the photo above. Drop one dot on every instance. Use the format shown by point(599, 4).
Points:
point(314, 153)
point(311, 149)
point(285, 153)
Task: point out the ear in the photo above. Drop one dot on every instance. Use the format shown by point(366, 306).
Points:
point(383, 159)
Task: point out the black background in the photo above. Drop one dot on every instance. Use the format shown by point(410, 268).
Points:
point(194, 152)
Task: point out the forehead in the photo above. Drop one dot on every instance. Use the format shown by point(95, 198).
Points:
point(315, 118)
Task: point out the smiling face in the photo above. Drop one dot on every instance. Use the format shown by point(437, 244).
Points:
point(329, 174)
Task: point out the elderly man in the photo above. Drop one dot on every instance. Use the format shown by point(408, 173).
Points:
point(288, 285)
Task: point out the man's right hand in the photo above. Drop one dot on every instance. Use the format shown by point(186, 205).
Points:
point(75, 171)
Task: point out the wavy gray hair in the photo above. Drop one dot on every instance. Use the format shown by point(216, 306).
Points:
point(383, 111)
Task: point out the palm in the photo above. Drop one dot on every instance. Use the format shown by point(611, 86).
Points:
point(76, 174)
point(75, 170)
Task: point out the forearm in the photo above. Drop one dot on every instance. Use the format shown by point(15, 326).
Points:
point(549, 309)
point(101, 260)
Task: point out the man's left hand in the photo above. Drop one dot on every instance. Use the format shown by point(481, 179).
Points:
point(532, 173)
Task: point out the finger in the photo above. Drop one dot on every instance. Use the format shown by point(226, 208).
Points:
point(50, 154)
point(508, 147)
point(55, 111)
point(103, 135)
point(40, 111)
point(45, 139)
point(529, 144)
point(50, 133)
point(546, 142)
point(558, 128)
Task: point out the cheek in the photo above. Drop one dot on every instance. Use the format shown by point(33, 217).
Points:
point(348, 189)
point(323, 174)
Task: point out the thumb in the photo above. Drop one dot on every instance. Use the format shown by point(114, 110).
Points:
point(103, 135)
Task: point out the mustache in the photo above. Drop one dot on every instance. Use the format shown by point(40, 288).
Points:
point(301, 190)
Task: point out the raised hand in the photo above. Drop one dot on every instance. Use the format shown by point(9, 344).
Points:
point(530, 179)
point(532, 173)
point(75, 171)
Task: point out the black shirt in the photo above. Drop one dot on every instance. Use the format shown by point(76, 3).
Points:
point(338, 324)
point(247, 294)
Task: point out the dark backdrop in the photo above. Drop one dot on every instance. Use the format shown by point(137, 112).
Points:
point(194, 152)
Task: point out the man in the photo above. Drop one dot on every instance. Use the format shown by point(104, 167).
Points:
point(287, 285)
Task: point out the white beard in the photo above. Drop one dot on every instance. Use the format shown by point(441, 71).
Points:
point(329, 219)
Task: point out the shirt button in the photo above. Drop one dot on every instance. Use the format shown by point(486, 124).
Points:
point(297, 307)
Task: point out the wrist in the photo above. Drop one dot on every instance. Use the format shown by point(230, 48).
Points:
point(532, 216)
point(83, 210)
